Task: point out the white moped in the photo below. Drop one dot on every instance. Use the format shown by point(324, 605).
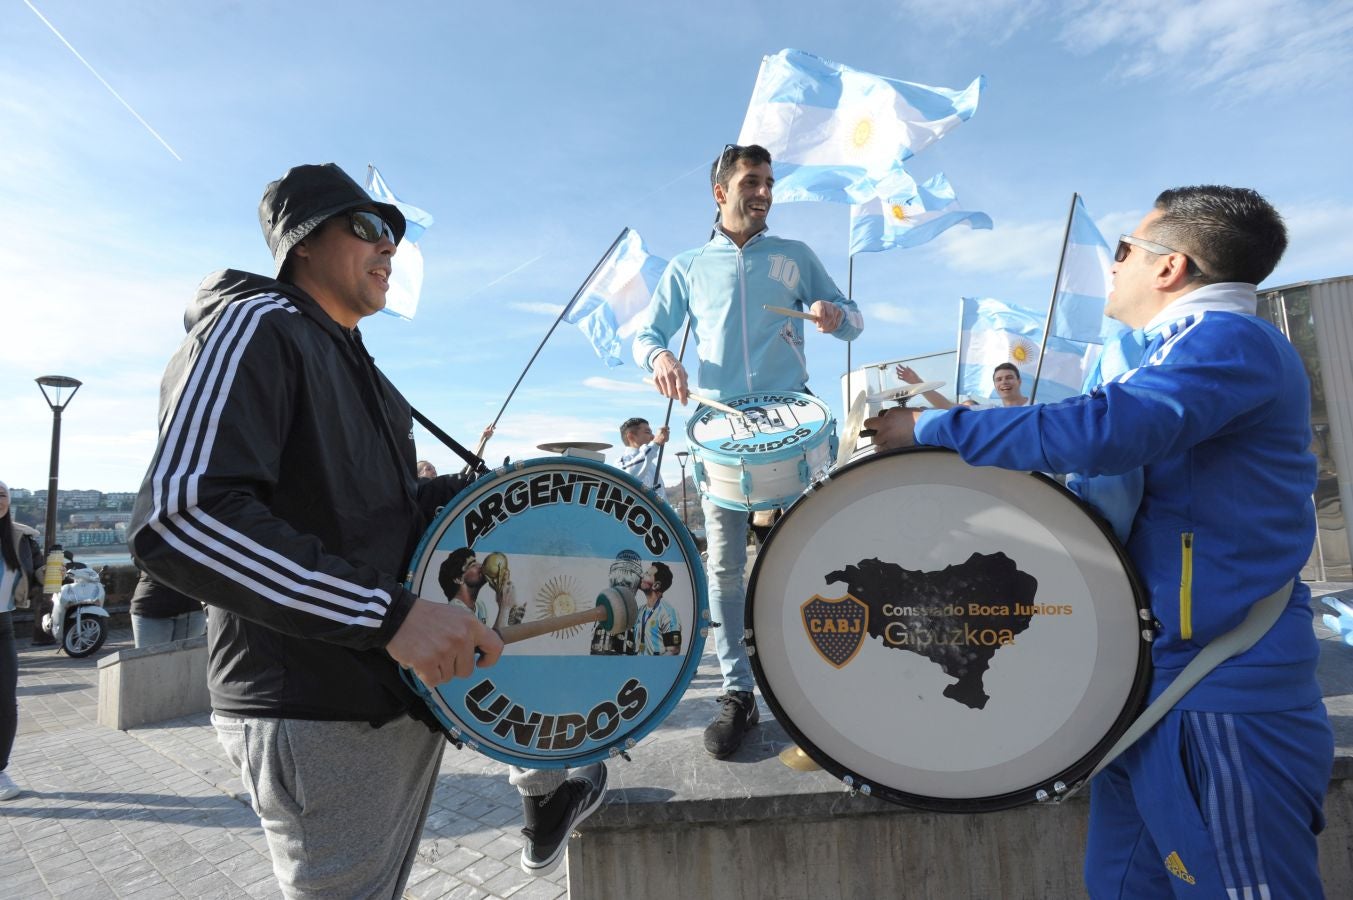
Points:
point(78, 622)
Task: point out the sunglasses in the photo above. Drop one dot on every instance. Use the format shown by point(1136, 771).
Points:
point(1126, 242)
point(370, 227)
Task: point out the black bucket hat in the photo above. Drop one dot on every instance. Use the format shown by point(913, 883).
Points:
point(295, 205)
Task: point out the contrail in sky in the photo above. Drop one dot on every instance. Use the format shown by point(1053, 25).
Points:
point(153, 132)
point(501, 277)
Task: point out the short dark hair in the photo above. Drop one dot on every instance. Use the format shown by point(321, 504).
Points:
point(629, 425)
point(662, 577)
point(1232, 234)
point(1012, 367)
point(722, 169)
point(450, 575)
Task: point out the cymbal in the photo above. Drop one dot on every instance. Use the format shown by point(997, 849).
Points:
point(565, 446)
point(902, 393)
point(850, 437)
point(794, 757)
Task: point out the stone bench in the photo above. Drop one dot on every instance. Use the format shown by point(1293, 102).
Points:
point(678, 824)
point(152, 684)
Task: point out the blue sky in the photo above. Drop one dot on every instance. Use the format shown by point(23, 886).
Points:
point(535, 131)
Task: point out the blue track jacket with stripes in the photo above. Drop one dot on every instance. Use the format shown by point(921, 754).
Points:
point(282, 494)
point(1218, 417)
point(723, 287)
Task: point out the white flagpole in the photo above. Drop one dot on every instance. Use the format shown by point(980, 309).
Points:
point(1052, 303)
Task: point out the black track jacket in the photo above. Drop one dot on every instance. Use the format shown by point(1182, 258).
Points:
point(283, 495)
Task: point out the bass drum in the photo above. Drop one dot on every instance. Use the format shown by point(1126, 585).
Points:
point(948, 637)
point(598, 592)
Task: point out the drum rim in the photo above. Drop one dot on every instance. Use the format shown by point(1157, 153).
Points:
point(709, 454)
point(618, 743)
point(1069, 777)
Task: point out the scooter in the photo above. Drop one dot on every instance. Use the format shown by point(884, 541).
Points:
point(78, 622)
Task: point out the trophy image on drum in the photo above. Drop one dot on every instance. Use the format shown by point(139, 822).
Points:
point(554, 555)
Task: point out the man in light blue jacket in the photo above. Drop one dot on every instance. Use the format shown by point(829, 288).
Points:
point(1223, 797)
point(722, 287)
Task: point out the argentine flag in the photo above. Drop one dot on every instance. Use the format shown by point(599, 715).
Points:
point(835, 133)
point(909, 219)
point(609, 304)
point(406, 276)
point(1087, 278)
point(995, 332)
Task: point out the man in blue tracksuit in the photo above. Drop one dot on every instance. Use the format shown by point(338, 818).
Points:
point(1223, 797)
point(722, 287)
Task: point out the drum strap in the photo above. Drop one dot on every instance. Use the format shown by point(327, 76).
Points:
point(477, 465)
point(1256, 624)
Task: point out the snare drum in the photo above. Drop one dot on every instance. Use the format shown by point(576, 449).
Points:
point(945, 636)
point(765, 457)
point(564, 556)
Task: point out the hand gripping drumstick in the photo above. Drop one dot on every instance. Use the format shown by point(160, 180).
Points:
point(706, 401)
point(616, 610)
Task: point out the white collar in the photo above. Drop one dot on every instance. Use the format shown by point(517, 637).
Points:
point(1229, 296)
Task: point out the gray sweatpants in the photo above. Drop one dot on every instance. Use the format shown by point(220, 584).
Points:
point(342, 804)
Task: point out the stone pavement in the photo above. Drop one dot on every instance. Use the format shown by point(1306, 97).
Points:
point(157, 812)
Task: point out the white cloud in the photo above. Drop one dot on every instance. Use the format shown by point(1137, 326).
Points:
point(890, 313)
point(1239, 47)
point(1319, 243)
point(611, 384)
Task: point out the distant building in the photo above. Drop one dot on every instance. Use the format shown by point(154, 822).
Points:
point(20, 494)
point(101, 517)
point(119, 499)
point(79, 499)
point(1317, 317)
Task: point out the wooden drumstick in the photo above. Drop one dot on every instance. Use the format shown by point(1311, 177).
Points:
point(511, 634)
point(613, 605)
point(706, 401)
point(792, 313)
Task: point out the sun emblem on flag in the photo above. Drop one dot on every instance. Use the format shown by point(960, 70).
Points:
point(864, 130)
point(1022, 352)
point(899, 212)
point(556, 598)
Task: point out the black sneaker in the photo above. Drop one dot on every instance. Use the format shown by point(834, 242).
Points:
point(737, 715)
point(551, 819)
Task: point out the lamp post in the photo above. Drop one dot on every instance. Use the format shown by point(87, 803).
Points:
point(681, 460)
point(57, 384)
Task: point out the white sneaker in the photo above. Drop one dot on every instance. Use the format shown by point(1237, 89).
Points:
point(7, 787)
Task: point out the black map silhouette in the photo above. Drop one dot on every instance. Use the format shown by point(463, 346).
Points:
point(928, 613)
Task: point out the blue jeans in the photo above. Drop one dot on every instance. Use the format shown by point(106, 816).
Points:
point(148, 632)
point(726, 566)
point(9, 684)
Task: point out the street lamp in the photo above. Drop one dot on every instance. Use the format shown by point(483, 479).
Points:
point(681, 460)
point(58, 384)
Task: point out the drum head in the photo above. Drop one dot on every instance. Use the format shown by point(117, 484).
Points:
point(772, 426)
point(954, 638)
point(539, 543)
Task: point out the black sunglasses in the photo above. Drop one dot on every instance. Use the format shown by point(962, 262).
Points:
point(1127, 241)
point(370, 227)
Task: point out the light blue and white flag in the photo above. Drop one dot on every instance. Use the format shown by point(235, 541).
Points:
point(995, 332)
point(909, 219)
point(1087, 278)
point(835, 133)
point(609, 304)
point(406, 276)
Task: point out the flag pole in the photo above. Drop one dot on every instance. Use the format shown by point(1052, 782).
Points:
point(1056, 284)
point(681, 355)
point(850, 295)
point(563, 312)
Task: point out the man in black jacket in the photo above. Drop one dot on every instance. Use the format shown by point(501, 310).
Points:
point(283, 494)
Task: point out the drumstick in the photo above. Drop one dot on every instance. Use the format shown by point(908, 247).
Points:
point(792, 313)
point(706, 401)
point(511, 634)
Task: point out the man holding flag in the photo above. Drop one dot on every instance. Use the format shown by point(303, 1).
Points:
point(1223, 795)
point(722, 288)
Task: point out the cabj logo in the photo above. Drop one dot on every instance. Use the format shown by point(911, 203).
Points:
point(836, 627)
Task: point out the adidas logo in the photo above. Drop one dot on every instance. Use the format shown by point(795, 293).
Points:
point(1176, 867)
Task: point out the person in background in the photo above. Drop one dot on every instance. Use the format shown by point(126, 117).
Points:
point(161, 614)
point(642, 448)
point(18, 558)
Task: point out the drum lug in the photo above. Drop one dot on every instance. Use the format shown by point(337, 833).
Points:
point(1042, 796)
point(617, 752)
point(852, 788)
point(749, 641)
point(805, 474)
point(745, 482)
